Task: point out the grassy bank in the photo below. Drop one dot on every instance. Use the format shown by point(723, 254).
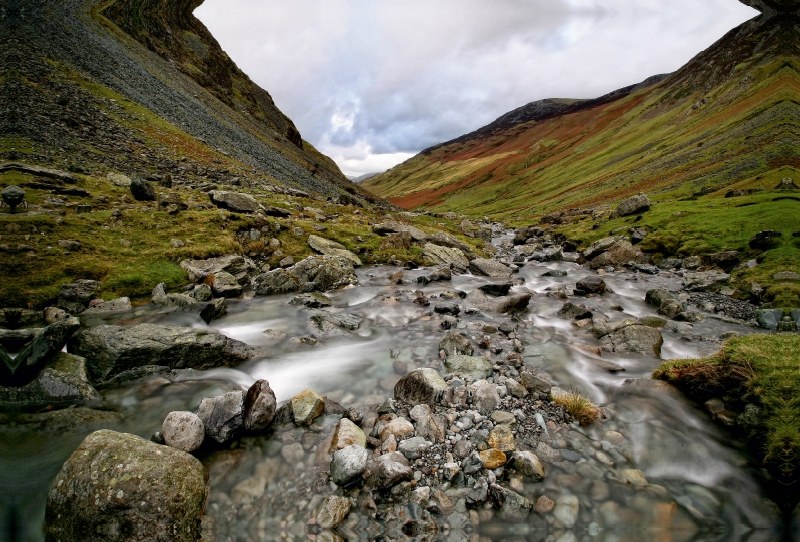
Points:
point(128, 244)
point(762, 370)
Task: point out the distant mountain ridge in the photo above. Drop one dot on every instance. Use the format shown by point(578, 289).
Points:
point(726, 118)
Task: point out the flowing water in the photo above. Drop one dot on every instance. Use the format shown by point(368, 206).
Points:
point(698, 486)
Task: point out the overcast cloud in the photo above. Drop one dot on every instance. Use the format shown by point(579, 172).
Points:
point(372, 82)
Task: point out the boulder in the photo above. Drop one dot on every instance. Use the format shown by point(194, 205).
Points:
point(533, 383)
point(769, 318)
point(142, 190)
point(348, 464)
point(329, 324)
point(13, 196)
point(121, 304)
point(332, 248)
point(451, 257)
point(420, 386)
point(455, 344)
point(447, 307)
point(225, 285)
point(259, 406)
point(570, 311)
point(468, 366)
point(501, 305)
point(183, 430)
point(315, 273)
point(306, 406)
point(198, 270)
point(658, 297)
point(313, 300)
point(590, 285)
point(446, 240)
point(234, 201)
point(222, 416)
point(598, 247)
point(399, 428)
point(619, 254)
point(706, 281)
point(489, 268)
point(633, 338)
point(110, 350)
point(631, 206)
point(149, 492)
point(51, 389)
point(389, 227)
point(498, 290)
point(75, 296)
point(208, 311)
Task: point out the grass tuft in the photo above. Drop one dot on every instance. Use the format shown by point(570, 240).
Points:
point(579, 407)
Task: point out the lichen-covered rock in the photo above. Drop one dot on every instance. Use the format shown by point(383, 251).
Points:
point(314, 274)
point(225, 285)
point(590, 285)
point(631, 206)
point(110, 350)
point(452, 257)
point(455, 344)
point(198, 270)
point(118, 487)
point(332, 248)
point(527, 464)
point(234, 201)
point(633, 338)
point(306, 406)
point(420, 386)
point(489, 268)
point(468, 366)
point(348, 433)
point(334, 510)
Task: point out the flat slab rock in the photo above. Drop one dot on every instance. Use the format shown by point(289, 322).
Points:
point(121, 487)
point(110, 350)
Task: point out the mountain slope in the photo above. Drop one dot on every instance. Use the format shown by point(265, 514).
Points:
point(141, 87)
point(722, 120)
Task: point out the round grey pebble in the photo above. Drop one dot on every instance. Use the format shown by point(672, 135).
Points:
point(183, 430)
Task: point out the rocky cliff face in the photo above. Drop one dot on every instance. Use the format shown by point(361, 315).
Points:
point(141, 87)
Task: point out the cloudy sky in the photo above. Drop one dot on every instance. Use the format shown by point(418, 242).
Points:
point(372, 82)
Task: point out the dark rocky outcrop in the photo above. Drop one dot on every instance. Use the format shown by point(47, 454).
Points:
point(110, 350)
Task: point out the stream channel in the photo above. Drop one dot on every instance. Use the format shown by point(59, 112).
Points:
point(698, 486)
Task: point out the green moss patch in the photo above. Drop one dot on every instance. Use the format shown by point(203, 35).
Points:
point(763, 370)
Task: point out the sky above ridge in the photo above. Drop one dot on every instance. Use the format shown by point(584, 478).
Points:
point(371, 83)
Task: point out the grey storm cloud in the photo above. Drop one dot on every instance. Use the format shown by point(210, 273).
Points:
point(371, 82)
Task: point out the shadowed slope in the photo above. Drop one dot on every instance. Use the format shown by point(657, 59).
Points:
point(142, 87)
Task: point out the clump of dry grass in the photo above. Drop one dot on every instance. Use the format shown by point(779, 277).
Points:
point(579, 407)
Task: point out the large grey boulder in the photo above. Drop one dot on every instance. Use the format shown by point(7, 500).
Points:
point(706, 281)
point(110, 350)
point(234, 201)
point(225, 285)
point(121, 304)
point(619, 254)
point(598, 247)
point(198, 270)
point(446, 240)
point(222, 416)
point(468, 366)
point(631, 206)
point(633, 338)
point(769, 318)
point(489, 268)
point(455, 343)
point(420, 386)
point(142, 190)
point(499, 305)
point(327, 247)
point(314, 274)
point(75, 296)
point(348, 464)
point(328, 324)
point(118, 487)
point(592, 284)
point(13, 196)
point(451, 257)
